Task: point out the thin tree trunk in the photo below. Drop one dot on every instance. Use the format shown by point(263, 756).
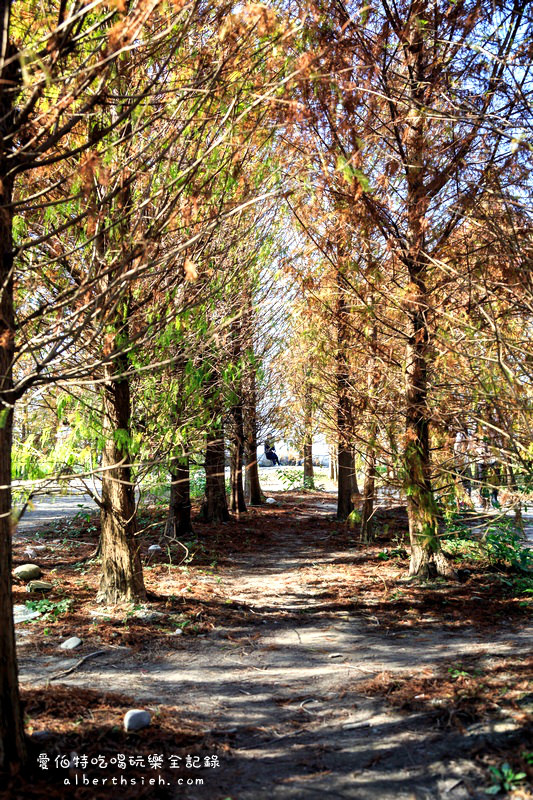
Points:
point(179, 511)
point(253, 486)
point(236, 429)
point(332, 463)
point(369, 488)
point(236, 465)
point(12, 743)
point(344, 432)
point(356, 494)
point(309, 474)
point(122, 578)
point(513, 487)
point(254, 494)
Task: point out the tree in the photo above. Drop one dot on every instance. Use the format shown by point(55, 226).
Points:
point(406, 116)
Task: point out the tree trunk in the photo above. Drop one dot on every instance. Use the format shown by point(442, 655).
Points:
point(426, 553)
point(309, 474)
point(369, 486)
point(12, 743)
point(421, 506)
point(122, 578)
point(344, 432)
point(236, 463)
point(253, 487)
point(179, 511)
point(355, 488)
point(369, 489)
point(513, 487)
point(344, 491)
point(332, 463)
point(215, 505)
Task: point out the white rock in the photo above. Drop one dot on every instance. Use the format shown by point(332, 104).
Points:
point(154, 548)
point(136, 719)
point(178, 632)
point(70, 644)
point(270, 501)
point(23, 614)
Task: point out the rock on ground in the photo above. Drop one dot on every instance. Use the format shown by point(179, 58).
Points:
point(39, 586)
point(70, 644)
point(136, 718)
point(27, 572)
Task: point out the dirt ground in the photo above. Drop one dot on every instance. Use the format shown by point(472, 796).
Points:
point(285, 659)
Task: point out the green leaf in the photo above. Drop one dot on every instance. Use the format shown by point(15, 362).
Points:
point(363, 180)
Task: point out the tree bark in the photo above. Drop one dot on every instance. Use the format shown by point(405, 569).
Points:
point(215, 505)
point(421, 505)
point(344, 432)
point(309, 474)
point(369, 489)
point(254, 493)
point(12, 742)
point(179, 511)
point(426, 553)
point(237, 454)
point(332, 463)
point(369, 486)
point(355, 488)
point(122, 578)
point(344, 491)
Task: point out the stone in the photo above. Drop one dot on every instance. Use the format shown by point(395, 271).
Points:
point(39, 586)
point(23, 614)
point(178, 632)
point(27, 572)
point(70, 644)
point(136, 718)
point(155, 548)
point(270, 501)
point(148, 616)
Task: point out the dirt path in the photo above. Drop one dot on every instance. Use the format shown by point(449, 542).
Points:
point(280, 691)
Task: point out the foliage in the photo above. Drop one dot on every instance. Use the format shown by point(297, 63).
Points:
point(50, 609)
point(503, 545)
point(396, 552)
point(294, 480)
point(504, 779)
point(197, 483)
